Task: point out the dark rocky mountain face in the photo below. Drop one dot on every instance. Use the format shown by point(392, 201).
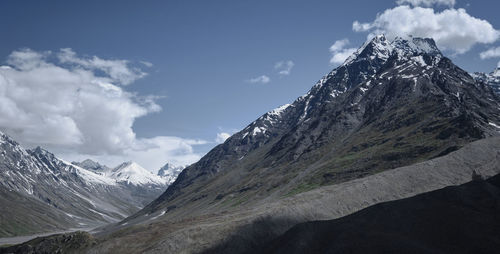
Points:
point(392, 103)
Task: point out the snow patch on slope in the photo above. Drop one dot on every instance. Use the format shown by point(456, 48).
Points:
point(91, 177)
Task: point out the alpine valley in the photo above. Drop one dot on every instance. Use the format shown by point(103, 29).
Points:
point(41, 193)
point(395, 120)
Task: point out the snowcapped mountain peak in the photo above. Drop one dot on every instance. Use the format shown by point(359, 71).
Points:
point(42, 152)
point(378, 48)
point(170, 172)
point(415, 45)
point(492, 79)
point(4, 138)
point(496, 72)
point(132, 173)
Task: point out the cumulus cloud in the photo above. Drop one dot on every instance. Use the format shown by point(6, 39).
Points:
point(284, 68)
point(452, 29)
point(490, 53)
point(79, 109)
point(263, 79)
point(118, 70)
point(339, 51)
point(427, 3)
point(222, 136)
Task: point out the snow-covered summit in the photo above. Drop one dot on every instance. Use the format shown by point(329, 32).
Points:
point(170, 172)
point(359, 67)
point(132, 173)
point(380, 49)
point(415, 45)
point(377, 48)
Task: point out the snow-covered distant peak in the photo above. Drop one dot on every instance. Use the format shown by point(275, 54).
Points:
point(133, 173)
point(496, 73)
point(492, 79)
point(170, 172)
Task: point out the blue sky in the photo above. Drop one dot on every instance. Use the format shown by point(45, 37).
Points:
point(204, 55)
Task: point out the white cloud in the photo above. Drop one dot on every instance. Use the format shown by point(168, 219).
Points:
point(118, 70)
point(490, 53)
point(284, 68)
point(427, 3)
point(452, 29)
point(361, 27)
point(147, 64)
point(222, 136)
point(73, 110)
point(260, 79)
point(339, 52)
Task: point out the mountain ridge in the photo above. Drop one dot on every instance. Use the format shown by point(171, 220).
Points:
point(422, 103)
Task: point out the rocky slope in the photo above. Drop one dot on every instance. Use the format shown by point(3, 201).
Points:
point(458, 219)
point(36, 183)
point(391, 104)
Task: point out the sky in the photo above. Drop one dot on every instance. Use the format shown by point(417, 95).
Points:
point(166, 81)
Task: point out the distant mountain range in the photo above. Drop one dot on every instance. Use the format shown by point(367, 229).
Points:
point(492, 78)
point(84, 194)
